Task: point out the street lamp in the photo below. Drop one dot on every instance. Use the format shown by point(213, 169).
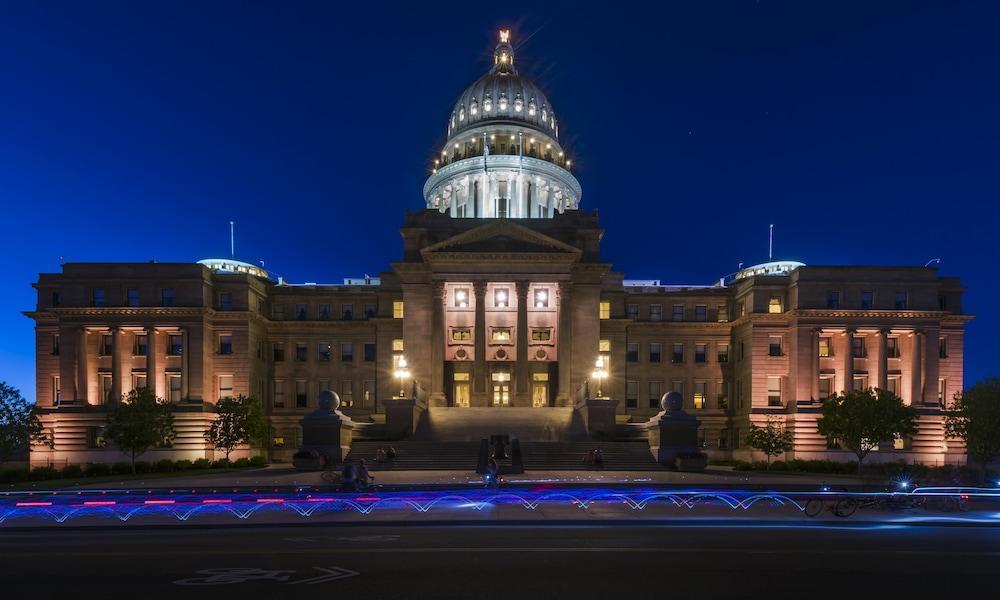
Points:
point(599, 373)
point(403, 373)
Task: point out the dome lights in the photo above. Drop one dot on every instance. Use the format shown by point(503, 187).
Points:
point(518, 103)
point(545, 114)
point(473, 107)
point(487, 104)
point(531, 107)
point(502, 103)
point(461, 114)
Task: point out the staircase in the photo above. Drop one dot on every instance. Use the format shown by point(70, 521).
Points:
point(569, 456)
point(453, 424)
point(419, 456)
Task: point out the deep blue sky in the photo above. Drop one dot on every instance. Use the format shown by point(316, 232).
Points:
point(866, 132)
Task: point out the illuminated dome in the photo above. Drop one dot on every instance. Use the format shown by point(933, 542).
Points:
point(776, 267)
point(502, 157)
point(228, 265)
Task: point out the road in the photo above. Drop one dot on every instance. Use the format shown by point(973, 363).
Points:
point(502, 561)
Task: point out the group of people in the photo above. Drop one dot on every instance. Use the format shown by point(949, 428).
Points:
point(385, 454)
point(594, 458)
point(354, 478)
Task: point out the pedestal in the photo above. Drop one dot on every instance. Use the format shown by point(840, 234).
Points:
point(673, 436)
point(326, 435)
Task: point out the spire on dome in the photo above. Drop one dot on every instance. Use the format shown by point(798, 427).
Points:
point(503, 55)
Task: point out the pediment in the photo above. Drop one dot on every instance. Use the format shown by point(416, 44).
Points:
point(501, 236)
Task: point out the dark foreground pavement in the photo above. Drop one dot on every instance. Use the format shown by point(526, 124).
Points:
point(504, 561)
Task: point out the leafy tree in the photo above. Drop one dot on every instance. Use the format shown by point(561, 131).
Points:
point(19, 424)
point(975, 417)
point(241, 420)
point(772, 439)
point(861, 419)
point(139, 422)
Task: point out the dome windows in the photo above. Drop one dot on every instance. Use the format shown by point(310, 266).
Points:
point(545, 114)
point(487, 103)
point(532, 107)
point(461, 113)
point(502, 103)
point(518, 103)
point(473, 107)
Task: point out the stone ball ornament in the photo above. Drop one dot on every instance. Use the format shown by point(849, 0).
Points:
point(328, 400)
point(672, 401)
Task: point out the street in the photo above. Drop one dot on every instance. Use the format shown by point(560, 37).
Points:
point(502, 561)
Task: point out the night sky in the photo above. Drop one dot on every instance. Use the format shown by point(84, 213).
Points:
point(867, 132)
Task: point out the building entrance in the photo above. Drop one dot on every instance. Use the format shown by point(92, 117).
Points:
point(501, 389)
point(462, 390)
point(540, 390)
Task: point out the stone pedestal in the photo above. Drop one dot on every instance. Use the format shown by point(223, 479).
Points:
point(400, 417)
point(599, 415)
point(673, 436)
point(326, 435)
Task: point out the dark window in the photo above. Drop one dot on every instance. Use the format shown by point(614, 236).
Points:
point(97, 297)
point(677, 314)
point(892, 347)
point(369, 350)
point(300, 312)
point(700, 353)
point(858, 347)
point(175, 344)
point(324, 311)
point(832, 299)
point(225, 344)
point(867, 299)
point(55, 345)
point(943, 348)
point(774, 346)
point(347, 311)
point(370, 310)
point(632, 311)
point(325, 351)
point(106, 346)
point(901, 301)
point(654, 353)
point(723, 353)
point(942, 302)
point(278, 351)
point(133, 296)
point(677, 356)
point(347, 352)
point(701, 313)
point(56, 299)
point(141, 345)
point(301, 351)
point(632, 394)
point(226, 301)
point(632, 352)
point(167, 297)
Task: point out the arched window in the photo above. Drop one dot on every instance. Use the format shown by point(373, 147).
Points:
point(518, 103)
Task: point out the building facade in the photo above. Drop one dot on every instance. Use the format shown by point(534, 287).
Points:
point(501, 299)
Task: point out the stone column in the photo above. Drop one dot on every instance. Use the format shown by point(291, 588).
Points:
point(116, 363)
point(185, 364)
point(814, 348)
point(479, 368)
point(523, 377)
point(532, 201)
point(152, 378)
point(82, 368)
point(931, 365)
point(436, 387)
point(849, 359)
point(549, 202)
point(916, 382)
point(883, 359)
point(453, 209)
point(564, 341)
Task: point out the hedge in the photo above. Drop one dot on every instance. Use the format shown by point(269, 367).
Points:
point(124, 468)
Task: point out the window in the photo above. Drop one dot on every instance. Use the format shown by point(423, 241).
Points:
point(347, 311)
point(723, 397)
point(942, 392)
point(678, 386)
point(278, 351)
point(774, 346)
point(323, 385)
point(140, 347)
point(278, 394)
point(774, 305)
point(700, 312)
point(175, 344)
point(397, 309)
point(742, 305)
point(677, 356)
point(700, 353)
point(501, 298)
point(56, 299)
point(632, 311)
point(901, 301)
point(347, 352)
point(541, 298)
point(260, 353)
point(739, 394)
point(723, 314)
point(368, 394)
point(56, 391)
point(397, 345)
point(895, 385)
point(174, 388)
point(774, 391)
point(892, 347)
point(655, 312)
point(106, 345)
point(860, 382)
point(301, 312)
point(858, 347)
point(301, 352)
point(632, 352)
point(942, 347)
point(825, 386)
point(541, 334)
point(461, 334)
point(723, 352)
point(942, 302)
point(133, 296)
point(55, 345)
point(699, 394)
point(368, 349)
point(655, 393)
point(324, 311)
point(631, 394)
point(106, 389)
point(461, 297)
point(370, 310)
point(500, 334)
point(832, 299)
point(97, 297)
point(225, 386)
point(301, 395)
point(138, 381)
point(324, 351)
point(226, 301)
point(605, 310)
point(867, 299)
point(677, 314)
point(226, 343)
point(654, 352)
point(825, 347)
point(347, 393)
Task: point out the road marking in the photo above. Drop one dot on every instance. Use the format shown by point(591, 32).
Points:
point(332, 573)
point(237, 575)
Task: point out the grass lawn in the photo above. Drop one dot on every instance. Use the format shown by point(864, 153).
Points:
point(73, 482)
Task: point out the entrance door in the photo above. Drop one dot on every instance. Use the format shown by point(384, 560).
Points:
point(501, 389)
point(540, 390)
point(462, 390)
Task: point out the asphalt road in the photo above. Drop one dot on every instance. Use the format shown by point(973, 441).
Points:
point(502, 561)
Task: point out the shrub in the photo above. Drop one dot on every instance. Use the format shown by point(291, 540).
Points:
point(13, 475)
point(201, 463)
point(183, 465)
point(165, 466)
point(143, 467)
point(779, 465)
point(241, 463)
point(98, 469)
point(222, 463)
point(258, 461)
point(40, 473)
point(72, 471)
point(742, 465)
point(121, 468)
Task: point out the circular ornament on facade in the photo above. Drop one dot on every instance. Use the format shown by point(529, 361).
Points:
point(540, 354)
point(501, 354)
point(461, 353)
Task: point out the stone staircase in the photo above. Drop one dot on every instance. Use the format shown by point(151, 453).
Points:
point(569, 456)
point(419, 455)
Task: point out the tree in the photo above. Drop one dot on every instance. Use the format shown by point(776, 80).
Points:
point(241, 420)
point(975, 417)
point(772, 439)
point(139, 422)
point(19, 424)
point(861, 419)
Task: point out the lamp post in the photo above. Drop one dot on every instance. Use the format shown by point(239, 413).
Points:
point(599, 374)
point(402, 373)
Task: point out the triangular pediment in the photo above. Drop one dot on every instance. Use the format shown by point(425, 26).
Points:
point(501, 236)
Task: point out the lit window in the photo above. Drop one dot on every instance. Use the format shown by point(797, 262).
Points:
point(825, 347)
point(461, 334)
point(461, 298)
point(699, 394)
point(541, 298)
point(225, 386)
point(541, 334)
point(501, 298)
point(397, 309)
point(774, 391)
point(774, 305)
point(397, 345)
point(605, 310)
point(500, 334)
point(723, 314)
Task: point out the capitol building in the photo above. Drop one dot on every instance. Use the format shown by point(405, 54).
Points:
point(500, 316)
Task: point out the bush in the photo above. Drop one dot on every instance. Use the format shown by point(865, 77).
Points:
point(164, 466)
point(183, 465)
point(98, 469)
point(742, 465)
point(201, 463)
point(779, 465)
point(71, 471)
point(13, 475)
point(242, 463)
point(40, 473)
point(121, 468)
point(258, 461)
point(143, 467)
point(222, 463)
